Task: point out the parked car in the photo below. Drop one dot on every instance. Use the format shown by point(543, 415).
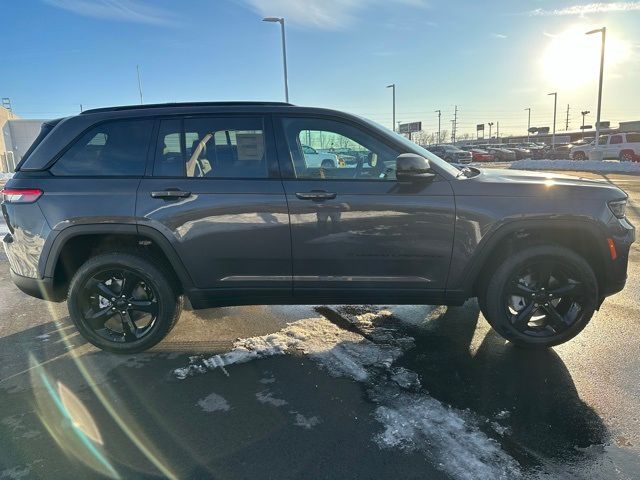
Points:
point(477, 154)
point(349, 156)
point(622, 146)
point(315, 159)
point(521, 152)
point(501, 154)
point(537, 151)
point(560, 152)
point(451, 153)
point(109, 210)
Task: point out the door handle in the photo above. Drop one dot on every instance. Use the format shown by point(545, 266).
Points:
point(169, 194)
point(316, 195)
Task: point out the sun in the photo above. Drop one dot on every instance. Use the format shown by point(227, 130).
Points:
point(572, 59)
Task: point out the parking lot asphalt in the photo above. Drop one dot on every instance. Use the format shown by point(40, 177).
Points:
point(322, 392)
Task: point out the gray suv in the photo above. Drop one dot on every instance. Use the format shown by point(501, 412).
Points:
point(128, 211)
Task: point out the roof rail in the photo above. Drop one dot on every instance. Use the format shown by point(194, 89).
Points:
point(183, 104)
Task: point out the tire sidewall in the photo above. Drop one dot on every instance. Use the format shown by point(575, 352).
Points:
point(493, 301)
point(167, 303)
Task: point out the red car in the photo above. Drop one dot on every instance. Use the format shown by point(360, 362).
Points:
point(482, 155)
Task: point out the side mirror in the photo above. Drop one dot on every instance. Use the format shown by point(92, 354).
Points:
point(411, 167)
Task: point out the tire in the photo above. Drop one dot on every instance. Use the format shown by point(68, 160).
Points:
point(542, 328)
point(327, 164)
point(579, 156)
point(627, 156)
point(151, 289)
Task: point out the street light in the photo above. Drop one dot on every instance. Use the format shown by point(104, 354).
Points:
point(555, 104)
point(439, 112)
point(393, 87)
point(602, 30)
point(528, 123)
point(584, 113)
point(490, 125)
point(284, 52)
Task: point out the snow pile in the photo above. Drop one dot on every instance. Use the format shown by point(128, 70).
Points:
point(575, 165)
point(366, 350)
point(5, 176)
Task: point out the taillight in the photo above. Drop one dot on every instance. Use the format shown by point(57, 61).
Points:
point(21, 195)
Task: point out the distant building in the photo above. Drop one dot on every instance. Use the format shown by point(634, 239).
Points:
point(17, 136)
point(633, 126)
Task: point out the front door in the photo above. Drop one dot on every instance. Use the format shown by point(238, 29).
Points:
point(215, 192)
point(354, 228)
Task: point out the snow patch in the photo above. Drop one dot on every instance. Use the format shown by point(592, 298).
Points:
point(450, 438)
point(577, 165)
point(305, 422)
point(214, 403)
point(267, 397)
point(5, 176)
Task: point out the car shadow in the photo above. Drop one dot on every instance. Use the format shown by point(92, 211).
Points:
point(530, 392)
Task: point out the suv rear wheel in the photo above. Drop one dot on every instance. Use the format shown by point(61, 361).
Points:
point(627, 156)
point(541, 297)
point(123, 303)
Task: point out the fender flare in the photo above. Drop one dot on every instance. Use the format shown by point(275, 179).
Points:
point(491, 241)
point(54, 245)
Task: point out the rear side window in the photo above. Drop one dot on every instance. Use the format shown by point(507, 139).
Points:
point(117, 148)
point(211, 147)
point(615, 139)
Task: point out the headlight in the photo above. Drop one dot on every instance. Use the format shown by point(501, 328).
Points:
point(618, 207)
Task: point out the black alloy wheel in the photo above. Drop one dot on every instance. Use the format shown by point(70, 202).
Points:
point(124, 302)
point(118, 305)
point(540, 296)
point(544, 299)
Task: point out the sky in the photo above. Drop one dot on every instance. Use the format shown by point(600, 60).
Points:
point(492, 59)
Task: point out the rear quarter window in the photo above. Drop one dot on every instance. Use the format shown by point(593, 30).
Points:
point(115, 148)
point(633, 138)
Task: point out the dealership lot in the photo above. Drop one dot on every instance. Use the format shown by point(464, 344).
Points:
point(358, 392)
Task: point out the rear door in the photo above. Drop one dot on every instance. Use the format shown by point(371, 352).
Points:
point(355, 230)
point(614, 146)
point(215, 193)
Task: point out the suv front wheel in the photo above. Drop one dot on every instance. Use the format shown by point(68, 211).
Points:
point(123, 303)
point(541, 297)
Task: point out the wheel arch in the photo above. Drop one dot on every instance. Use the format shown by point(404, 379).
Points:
point(581, 236)
point(126, 236)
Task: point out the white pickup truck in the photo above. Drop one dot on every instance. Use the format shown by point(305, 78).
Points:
point(316, 159)
point(623, 146)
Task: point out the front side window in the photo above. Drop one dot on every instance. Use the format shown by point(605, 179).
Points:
point(117, 148)
point(211, 148)
point(327, 149)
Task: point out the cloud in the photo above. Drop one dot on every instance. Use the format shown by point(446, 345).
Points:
point(321, 14)
point(598, 7)
point(123, 10)
point(498, 35)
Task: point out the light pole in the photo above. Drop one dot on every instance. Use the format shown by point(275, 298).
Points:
point(139, 84)
point(393, 87)
point(528, 122)
point(584, 114)
point(602, 30)
point(490, 125)
point(555, 104)
point(439, 112)
point(280, 20)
